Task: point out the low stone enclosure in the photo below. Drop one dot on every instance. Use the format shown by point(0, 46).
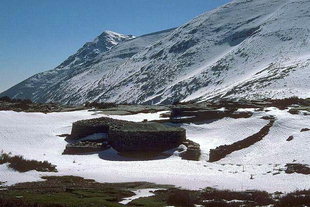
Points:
point(200, 113)
point(126, 136)
point(224, 150)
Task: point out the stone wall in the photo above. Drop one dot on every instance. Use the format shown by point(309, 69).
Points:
point(146, 141)
point(224, 150)
point(84, 128)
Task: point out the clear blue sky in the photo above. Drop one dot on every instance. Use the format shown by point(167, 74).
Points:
point(37, 35)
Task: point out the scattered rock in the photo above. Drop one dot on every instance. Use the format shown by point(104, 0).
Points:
point(304, 130)
point(290, 138)
point(297, 168)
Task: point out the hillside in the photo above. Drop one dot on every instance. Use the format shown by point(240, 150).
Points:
point(244, 49)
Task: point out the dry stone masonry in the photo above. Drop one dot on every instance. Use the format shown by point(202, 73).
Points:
point(126, 136)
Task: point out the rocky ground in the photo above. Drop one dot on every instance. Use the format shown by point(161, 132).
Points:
point(20, 105)
point(26, 105)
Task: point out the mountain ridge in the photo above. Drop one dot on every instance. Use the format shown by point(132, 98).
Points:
point(244, 49)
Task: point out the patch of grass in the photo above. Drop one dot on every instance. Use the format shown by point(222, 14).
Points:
point(169, 197)
point(71, 199)
point(14, 202)
point(177, 197)
point(72, 191)
point(20, 164)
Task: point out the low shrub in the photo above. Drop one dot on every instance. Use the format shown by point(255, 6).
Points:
point(297, 198)
point(14, 202)
point(182, 198)
point(297, 168)
point(20, 164)
point(11, 100)
point(257, 197)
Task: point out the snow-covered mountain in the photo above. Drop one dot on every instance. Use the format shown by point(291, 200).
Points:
point(90, 50)
point(244, 49)
point(80, 77)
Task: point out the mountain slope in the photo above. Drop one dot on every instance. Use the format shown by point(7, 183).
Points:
point(248, 49)
point(79, 78)
point(244, 49)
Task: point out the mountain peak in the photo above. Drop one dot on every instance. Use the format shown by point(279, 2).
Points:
point(110, 38)
point(104, 42)
point(115, 34)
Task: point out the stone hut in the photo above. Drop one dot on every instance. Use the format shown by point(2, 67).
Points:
point(125, 136)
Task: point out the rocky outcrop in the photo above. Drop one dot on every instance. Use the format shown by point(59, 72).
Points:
point(125, 136)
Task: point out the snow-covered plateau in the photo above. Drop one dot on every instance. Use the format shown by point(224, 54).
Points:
point(260, 166)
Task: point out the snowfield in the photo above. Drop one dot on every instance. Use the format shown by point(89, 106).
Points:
point(34, 135)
